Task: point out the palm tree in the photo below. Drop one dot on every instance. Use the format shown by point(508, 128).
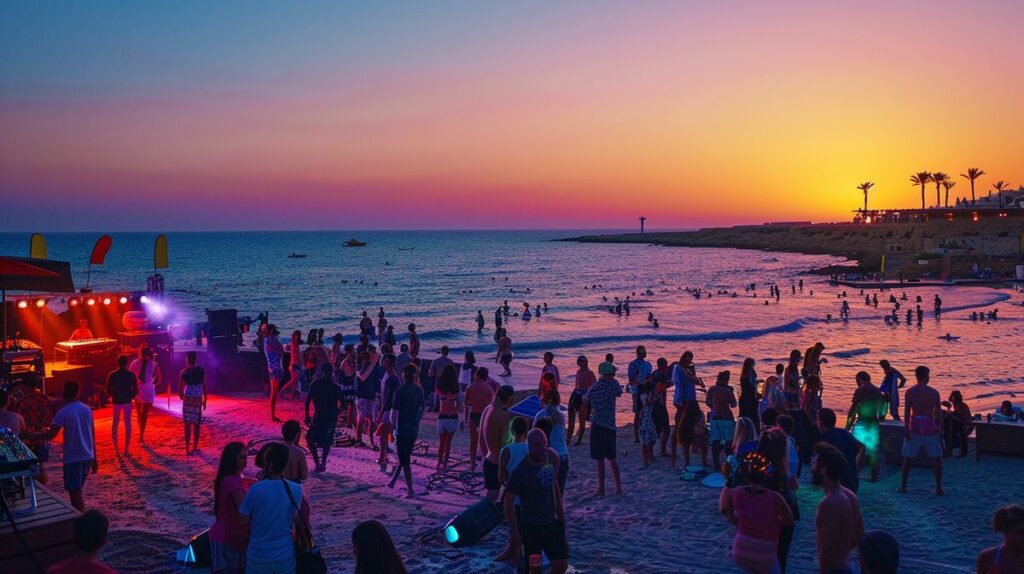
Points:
point(972, 174)
point(865, 187)
point(938, 177)
point(921, 178)
point(948, 184)
point(999, 186)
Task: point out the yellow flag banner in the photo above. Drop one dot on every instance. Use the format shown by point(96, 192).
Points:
point(160, 253)
point(37, 246)
point(883, 264)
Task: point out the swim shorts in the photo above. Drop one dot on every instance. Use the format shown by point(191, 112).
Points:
point(447, 424)
point(475, 418)
point(931, 443)
point(547, 538)
point(367, 408)
point(75, 474)
point(722, 430)
point(602, 443)
point(491, 476)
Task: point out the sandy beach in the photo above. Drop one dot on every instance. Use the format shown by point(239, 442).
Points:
point(157, 498)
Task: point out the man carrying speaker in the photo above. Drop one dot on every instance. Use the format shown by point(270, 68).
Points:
point(540, 527)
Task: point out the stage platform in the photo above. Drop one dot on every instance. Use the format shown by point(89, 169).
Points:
point(48, 532)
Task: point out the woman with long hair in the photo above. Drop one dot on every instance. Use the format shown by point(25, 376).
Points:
point(449, 406)
point(744, 440)
point(375, 551)
point(558, 440)
point(1008, 556)
point(774, 445)
point(585, 378)
point(759, 514)
point(748, 392)
point(229, 536)
point(192, 392)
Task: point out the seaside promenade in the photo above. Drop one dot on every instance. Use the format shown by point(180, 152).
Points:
point(157, 499)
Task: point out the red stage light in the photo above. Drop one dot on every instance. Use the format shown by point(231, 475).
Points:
point(22, 304)
point(73, 302)
point(106, 300)
point(90, 301)
point(40, 303)
point(123, 300)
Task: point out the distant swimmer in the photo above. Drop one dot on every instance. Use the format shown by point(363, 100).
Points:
point(526, 316)
point(949, 337)
point(655, 323)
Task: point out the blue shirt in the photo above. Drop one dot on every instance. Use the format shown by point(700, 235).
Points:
point(639, 370)
point(601, 398)
point(270, 513)
point(684, 389)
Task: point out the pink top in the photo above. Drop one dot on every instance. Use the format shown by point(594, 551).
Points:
point(228, 529)
point(756, 512)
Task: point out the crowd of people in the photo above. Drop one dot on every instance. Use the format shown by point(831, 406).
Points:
point(761, 435)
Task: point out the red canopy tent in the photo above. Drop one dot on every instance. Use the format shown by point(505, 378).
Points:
point(27, 274)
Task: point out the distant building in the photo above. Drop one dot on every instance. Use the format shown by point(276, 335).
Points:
point(985, 207)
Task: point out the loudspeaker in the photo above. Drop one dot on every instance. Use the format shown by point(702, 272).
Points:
point(472, 524)
point(223, 322)
point(222, 346)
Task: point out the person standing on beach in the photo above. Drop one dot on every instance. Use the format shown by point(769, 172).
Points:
point(389, 384)
point(274, 351)
point(601, 400)
point(585, 378)
point(838, 519)
point(549, 368)
point(684, 397)
point(414, 341)
point(122, 386)
point(148, 374)
point(892, 382)
point(542, 527)
point(269, 509)
point(437, 366)
point(326, 399)
point(923, 429)
point(409, 406)
point(366, 325)
point(556, 438)
point(367, 390)
point(638, 371)
point(759, 514)
point(75, 419)
point(661, 377)
point(404, 358)
point(748, 392)
point(480, 322)
point(193, 395)
point(722, 399)
point(511, 455)
point(449, 401)
point(294, 363)
point(228, 538)
point(494, 435)
point(479, 394)
point(504, 355)
point(866, 409)
point(845, 443)
point(90, 535)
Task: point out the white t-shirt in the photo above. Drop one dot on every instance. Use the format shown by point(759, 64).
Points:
point(270, 514)
point(75, 419)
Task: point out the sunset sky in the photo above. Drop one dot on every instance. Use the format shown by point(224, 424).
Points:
point(259, 115)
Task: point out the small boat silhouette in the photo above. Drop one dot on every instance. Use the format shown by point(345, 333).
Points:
point(296, 256)
point(406, 248)
point(354, 243)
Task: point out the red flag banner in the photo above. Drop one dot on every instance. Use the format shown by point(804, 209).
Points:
point(99, 252)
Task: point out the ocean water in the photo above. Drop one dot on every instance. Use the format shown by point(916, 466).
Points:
point(439, 280)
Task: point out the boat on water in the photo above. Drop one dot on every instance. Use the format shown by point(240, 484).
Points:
point(354, 243)
point(296, 256)
point(406, 248)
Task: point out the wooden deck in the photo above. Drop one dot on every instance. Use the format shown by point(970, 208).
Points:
point(48, 532)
